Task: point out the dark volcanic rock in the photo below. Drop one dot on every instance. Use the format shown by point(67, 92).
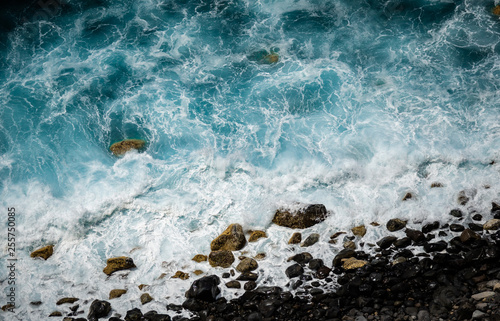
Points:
point(344, 254)
point(415, 236)
point(303, 218)
point(315, 264)
point(205, 289)
point(386, 242)
point(430, 227)
point(435, 247)
point(402, 242)
point(294, 271)
point(457, 227)
point(301, 258)
point(250, 285)
point(395, 224)
point(134, 315)
point(247, 276)
point(98, 309)
point(456, 213)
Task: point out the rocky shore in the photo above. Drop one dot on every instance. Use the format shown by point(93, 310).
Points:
point(415, 277)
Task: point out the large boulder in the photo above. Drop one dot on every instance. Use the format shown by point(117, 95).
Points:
point(302, 218)
point(118, 263)
point(120, 148)
point(44, 252)
point(232, 239)
point(204, 289)
point(221, 258)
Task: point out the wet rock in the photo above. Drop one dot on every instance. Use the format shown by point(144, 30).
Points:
point(303, 218)
point(315, 264)
point(44, 252)
point(146, 298)
point(117, 264)
point(55, 314)
point(475, 227)
point(463, 197)
point(496, 10)
point(402, 242)
point(456, 227)
point(349, 245)
point(116, 293)
point(198, 272)
point(492, 224)
point(386, 242)
point(233, 285)
point(295, 239)
point(181, 275)
point(98, 309)
point(414, 235)
point(468, 235)
point(310, 240)
point(301, 258)
point(408, 196)
point(483, 295)
point(256, 235)
point(436, 185)
point(359, 230)
point(294, 271)
point(430, 227)
point(120, 148)
point(344, 254)
point(154, 316)
point(352, 263)
point(323, 272)
point(247, 276)
point(204, 289)
point(260, 256)
point(456, 213)
point(232, 239)
point(477, 217)
point(246, 265)
point(200, 258)
point(221, 258)
point(395, 224)
point(250, 285)
point(435, 247)
point(66, 300)
point(134, 315)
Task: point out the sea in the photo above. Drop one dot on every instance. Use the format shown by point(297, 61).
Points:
point(246, 107)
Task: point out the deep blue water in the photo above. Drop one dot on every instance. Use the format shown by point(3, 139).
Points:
point(369, 100)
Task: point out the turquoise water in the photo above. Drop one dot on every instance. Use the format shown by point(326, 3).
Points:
point(369, 100)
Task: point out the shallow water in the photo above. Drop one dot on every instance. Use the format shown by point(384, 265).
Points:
point(369, 100)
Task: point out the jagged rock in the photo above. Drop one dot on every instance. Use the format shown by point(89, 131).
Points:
point(310, 240)
point(295, 239)
point(181, 275)
point(44, 252)
point(344, 254)
point(9, 307)
point(256, 235)
point(98, 309)
point(352, 263)
point(294, 271)
point(118, 263)
point(232, 239)
point(120, 148)
point(204, 289)
point(246, 265)
point(55, 314)
point(303, 218)
point(492, 224)
point(116, 293)
point(221, 258)
point(395, 224)
point(359, 230)
point(66, 300)
point(200, 258)
point(233, 285)
point(146, 298)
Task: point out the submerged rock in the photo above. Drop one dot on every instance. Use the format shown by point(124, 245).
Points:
point(204, 289)
point(43, 252)
point(302, 218)
point(120, 148)
point(256, 235)
point(232, 239)
point(221, 258)
point(117, 264)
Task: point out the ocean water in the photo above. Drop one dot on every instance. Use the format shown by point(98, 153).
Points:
point(369, 100)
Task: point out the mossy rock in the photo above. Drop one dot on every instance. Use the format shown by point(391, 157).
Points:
point(221, 258)
point(200, 258)
point(120, 148)
point(256, 235)
point(66, 300)
point(116, 293)
point(44, 252)
point(117, 264)
point(232, 239)
point(302, 218)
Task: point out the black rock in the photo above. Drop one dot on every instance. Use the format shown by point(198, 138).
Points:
point(430, 227)
point(315, 264)
point(457, 227)
point(255, 316)
point(475, 227)
point(302, 258)
point(395, 224)
point(193, 305)
point(344, 254)
point(98, 309)
point(402, 242)
point(435, 247)
point(323, 272)
point(477, 217)
point(456, 213)
point(154, 316)
point(233, 285)
point(248, 276)
point(134, 315)
point(250, 285)
point(386, 242)
point(110, 319)
point(226, 275)
point(294, 271)
point(205, 289)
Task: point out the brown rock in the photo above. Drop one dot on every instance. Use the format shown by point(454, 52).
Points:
point(233, 285)
point(374, 224)
point(260, 256)
point(256, 235)
point(232, 239)
point(118, 263)
point(303, 218)
point(221, 258)
point(496, 10)
point(143, 287)
point(469, 235)
point(181, 275)
point(120, 148)
point(352, 263)
point(55, 314)
point(310, 240)
point(407, 196)
point(197, 272)
point(359, 230)
point(66, 300)
point(349, 245)
point(247, 265)
point(334, 236)
point(200, 258)
point(8, 307)
point(44, 252)
point(395, 224)
point(116, 293)
point(295, 239)
point(146, 298)
point(436, 185)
